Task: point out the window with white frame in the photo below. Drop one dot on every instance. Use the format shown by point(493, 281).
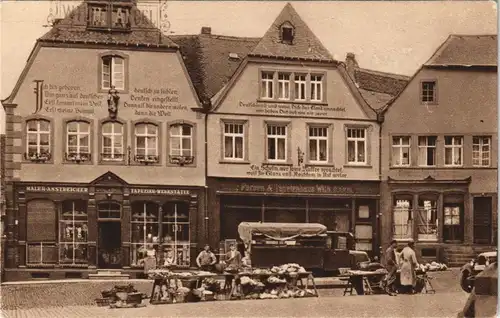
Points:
point(77, 139)
point(427, 151)
point(181, 140)
point(146, 142)
point(402, 218)
point(234, 139)
point(283, 86)
point(38, 138)
point(316, 88)
point(356, 145)
point(401, 151)
point(112, 141)
point(267, 81)
point(276, 142)
point(318, 144)
point(300, 86)
point(453, 150)
point(481, 149)
point(113, 72)
point(427, 221)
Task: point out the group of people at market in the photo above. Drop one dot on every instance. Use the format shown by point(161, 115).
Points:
point(404, 261)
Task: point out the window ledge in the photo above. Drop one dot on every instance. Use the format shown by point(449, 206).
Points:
point(234, 162)
point(83, 163)
point(272, 163)
point(111, 162)
point(350, 165)
point(428, 103)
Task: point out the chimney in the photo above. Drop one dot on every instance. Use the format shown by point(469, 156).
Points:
point(351, 64)
point(206, 30)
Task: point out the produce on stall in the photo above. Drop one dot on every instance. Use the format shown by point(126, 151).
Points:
point(121, 296)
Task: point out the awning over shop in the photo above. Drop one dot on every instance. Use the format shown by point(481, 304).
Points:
point(279, 231)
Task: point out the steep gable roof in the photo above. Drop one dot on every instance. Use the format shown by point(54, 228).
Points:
point(211, 60)
point(73, 29)
point(466, 50)
point(305, 43)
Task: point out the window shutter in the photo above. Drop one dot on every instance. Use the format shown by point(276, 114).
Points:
point(41, 221)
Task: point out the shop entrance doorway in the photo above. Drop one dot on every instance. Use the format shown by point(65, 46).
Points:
point(110, 243)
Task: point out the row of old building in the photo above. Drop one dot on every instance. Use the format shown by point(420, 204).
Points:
point(118, 136)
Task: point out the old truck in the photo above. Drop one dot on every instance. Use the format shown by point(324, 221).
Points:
point(309, 244)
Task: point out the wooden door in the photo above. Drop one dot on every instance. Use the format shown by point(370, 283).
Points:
point(482, 219)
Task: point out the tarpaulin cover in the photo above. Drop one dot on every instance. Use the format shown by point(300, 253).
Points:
point(279, 231)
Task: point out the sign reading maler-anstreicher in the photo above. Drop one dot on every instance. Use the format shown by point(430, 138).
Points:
point(57, 189)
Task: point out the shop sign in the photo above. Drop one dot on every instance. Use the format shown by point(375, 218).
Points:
point(312, 172)
point(292, 109)
point(160, 191)
point(57, 189)
point(295, 188)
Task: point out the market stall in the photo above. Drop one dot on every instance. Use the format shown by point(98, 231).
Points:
point(187, 286)
point(285, 281)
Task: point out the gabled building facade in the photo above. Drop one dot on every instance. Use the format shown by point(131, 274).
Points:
point(104, 148)
point(290, 139)
point(439, 154)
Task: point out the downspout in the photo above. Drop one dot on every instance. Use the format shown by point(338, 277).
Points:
point(207, 105)
point(380, 119)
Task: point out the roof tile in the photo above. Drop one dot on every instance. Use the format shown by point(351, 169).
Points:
point(466, 50)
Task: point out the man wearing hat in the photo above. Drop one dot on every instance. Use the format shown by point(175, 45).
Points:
point(408, 266)
point(391, 267)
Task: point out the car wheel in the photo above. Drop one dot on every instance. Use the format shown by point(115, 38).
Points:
point(465, 282)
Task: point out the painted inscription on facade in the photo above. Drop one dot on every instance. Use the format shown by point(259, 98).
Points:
point(266, 170)
point(57, 189)
point(65, 99)
point(154, 102)
point(288, 188)
point(292, 109)
point(159, 191)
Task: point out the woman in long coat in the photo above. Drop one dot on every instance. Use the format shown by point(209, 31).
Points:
point(408, 266)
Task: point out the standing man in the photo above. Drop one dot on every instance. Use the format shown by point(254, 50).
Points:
point(391, 267)
point(206, 259)
point(408, 266)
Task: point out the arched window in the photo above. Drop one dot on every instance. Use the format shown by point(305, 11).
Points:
point(78, 140)
point(112, 141)
point(38, 134)
point(73, 232)
point(113, 72)
point(146, 143)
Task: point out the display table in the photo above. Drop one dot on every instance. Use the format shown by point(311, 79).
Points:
point(362, 281)
point(252, 285)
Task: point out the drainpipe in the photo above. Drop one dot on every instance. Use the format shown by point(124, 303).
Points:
point(207, 105)
point(380, 119)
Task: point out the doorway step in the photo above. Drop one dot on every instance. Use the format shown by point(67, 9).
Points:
point(109, 274)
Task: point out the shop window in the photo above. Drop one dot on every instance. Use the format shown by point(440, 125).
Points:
point(276, 142)
point(401, 151)
point(453, 151)
point(300, 81)
point(175, 231)
point(402, 218)
point(234, 141)
point(356, 146)
point(73, 232)
point(145, 230)
point(364, 236)
point(316, 88)
point(267, 85)
point(289, 210)
point(41, 230)
point(453, 218)
point(109, 210)
point(318, 144)
point(427, 151)
point(146, 143)
point(113, 72)
point(427, 221)
point(481, 150)
point(234, 210)
point(112, 141)
point(284, 86)
point(181, 144)
point(78, 141)
point(38, 135)
point(332, 213)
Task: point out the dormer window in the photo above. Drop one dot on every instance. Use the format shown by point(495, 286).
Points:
point(108, 16)
point(287, 33)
